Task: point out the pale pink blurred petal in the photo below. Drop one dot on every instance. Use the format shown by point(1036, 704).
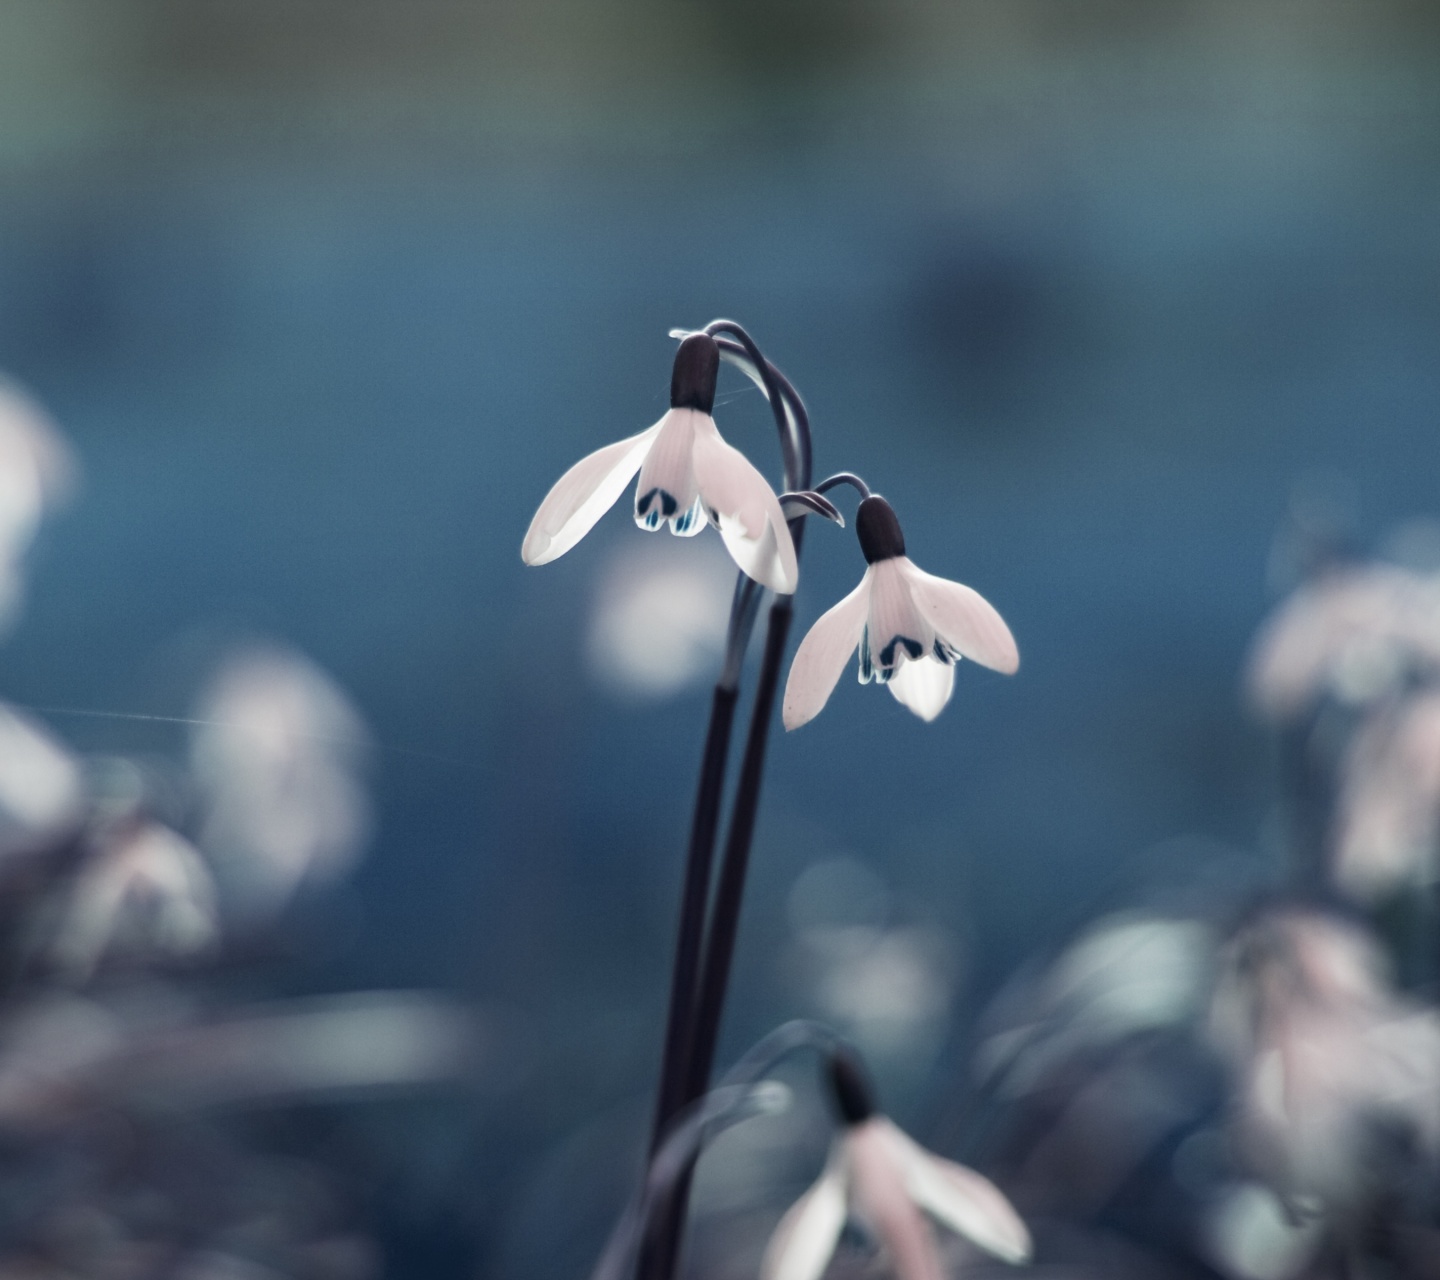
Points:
point(1388, 815)
point(1350, 634)
point(807, 1234)
point(882, 1200)
point(970, 1205)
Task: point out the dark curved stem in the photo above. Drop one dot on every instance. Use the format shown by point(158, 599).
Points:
point(697, 1002)
point(793, 425)
point(844, 477)
point(730, 890)
point(662, 1254)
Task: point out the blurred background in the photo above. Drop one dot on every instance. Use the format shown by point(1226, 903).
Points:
point(1104, 297)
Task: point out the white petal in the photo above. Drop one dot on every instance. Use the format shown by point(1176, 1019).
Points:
point(806, 1237)
point(963, 619)
point(882, 1199)
point(743, 506)
point(582, 495)
point(822, 656)
point(666, 490)
point(923, 684)
point(968, 1204)
point(896, 626)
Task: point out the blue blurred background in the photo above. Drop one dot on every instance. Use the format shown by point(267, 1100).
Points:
point(327, 295)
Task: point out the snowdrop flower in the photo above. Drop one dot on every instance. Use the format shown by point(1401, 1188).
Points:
point(1326, 1056)
point(885, 1179)
point(1355, 635)
point(909, 626)
point(688, 476)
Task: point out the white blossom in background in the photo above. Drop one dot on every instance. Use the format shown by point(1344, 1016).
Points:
point(1353, 635)
point(888, 987)
point(1128, 974)
point(909, 628)
point(41, 791)
point(658, 622)
point(36, 472)
point(1325, 1057)
point(277, 756)
point(145, 891)
point(1251, 1234)
point(689, 477)
point(1388, 814)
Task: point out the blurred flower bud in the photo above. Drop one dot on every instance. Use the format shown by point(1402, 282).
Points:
point(277, 759)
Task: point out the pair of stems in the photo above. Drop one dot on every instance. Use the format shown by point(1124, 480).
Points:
point(705, 939)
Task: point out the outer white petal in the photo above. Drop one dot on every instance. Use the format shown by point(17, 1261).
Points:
point(882, 1199)
point(806, 1237)
point(896, 624)
point(968, 1204)
point(923, 684)
point(823, 654)
point(667, 477)
point(963, 619)
point(582, 495)
point(743, 506)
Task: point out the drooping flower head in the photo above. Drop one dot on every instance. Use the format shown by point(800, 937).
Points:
point(882, 1178)
point(909, 626)
point(689, 477)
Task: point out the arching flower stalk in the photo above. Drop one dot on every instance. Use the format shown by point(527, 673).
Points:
point(909, 627)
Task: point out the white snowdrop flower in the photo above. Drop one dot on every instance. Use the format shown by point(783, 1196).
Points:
point(688, 476)
point(888, 1182)
point(909, 626)
point(147, 888)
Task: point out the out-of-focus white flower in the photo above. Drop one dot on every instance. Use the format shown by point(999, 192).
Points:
point(1352, 635)
point(688, 475)
point(1325, 1055)
point(40, 787)
point(659, 619)
point(1388, 818)
point(36, 470)
point(883, 1178)
point(909, 626)
point(1128, 974)
point(277, 754)
point(1251, 1235)
point(146, 889)
point(362, 1041)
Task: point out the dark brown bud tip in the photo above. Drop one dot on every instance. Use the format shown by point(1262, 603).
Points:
point(850, 1086)
point(878, 530)
point(697, 365)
